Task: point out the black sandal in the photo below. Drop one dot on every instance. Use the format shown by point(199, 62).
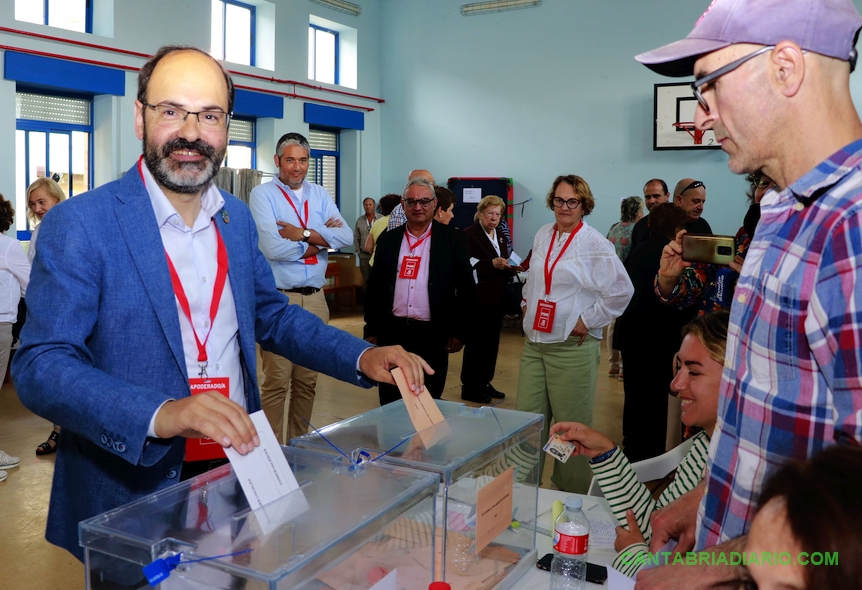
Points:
point(46, 448)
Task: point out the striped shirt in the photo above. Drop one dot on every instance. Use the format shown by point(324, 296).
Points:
point(623, 492)
point(793, 367)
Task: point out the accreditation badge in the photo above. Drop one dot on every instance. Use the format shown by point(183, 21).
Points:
point(206, 449)
point(544, 321)
point(409, 267)
point(310, 260)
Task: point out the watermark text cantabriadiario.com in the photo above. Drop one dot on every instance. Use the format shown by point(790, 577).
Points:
point(730, 558)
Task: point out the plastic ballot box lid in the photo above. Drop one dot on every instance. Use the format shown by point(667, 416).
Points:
point(469, 436)
point(340, 509)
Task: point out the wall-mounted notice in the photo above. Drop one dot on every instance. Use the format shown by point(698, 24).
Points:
point(472, 195)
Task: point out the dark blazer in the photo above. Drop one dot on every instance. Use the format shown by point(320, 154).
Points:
point(451, 291)
point(491, 280)
point(647, 322)
point(102, 348)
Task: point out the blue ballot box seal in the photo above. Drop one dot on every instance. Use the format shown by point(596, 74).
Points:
point(160, 569)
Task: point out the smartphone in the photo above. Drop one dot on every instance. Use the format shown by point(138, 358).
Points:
point(708, 248)
point(597, 574)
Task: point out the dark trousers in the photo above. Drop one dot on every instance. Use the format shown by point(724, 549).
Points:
point(424, 339)
point(646, 386)
point(480, 353)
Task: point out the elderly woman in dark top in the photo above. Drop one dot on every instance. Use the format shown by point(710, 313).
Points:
point(489, 247)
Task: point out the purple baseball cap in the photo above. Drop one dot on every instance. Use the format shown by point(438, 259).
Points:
point(828, 27)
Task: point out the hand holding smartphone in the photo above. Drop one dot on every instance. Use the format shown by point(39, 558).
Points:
point(708, 248)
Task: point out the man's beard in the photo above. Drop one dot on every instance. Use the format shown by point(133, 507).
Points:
point(182, 177)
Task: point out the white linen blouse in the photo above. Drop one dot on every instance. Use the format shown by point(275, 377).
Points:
point(14, 277)
point(589, 282)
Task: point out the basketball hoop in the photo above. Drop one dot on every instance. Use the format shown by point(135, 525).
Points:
point(696, 134)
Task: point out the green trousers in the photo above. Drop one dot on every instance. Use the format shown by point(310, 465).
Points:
point(559, 381)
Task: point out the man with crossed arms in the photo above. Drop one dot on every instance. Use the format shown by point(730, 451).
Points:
point(296, 222)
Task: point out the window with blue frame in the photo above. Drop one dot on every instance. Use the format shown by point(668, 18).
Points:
point(74, 15)
point(233, 31)
point(322, 54)
point(53, 138)
point(241, 145)
point(323, 163)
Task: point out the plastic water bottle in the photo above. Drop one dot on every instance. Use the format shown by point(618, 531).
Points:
point(571, 539)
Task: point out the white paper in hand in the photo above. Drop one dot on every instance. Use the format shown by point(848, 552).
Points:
point(263, 473)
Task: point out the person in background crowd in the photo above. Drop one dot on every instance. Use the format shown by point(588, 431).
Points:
point(655, 193)
point(577, 286)
point(702, 286)
point(421, 293)
point(690, 196)
point(648, 334)
point(42, 195)
point(387, 204)
point(489, 248)
point(361, 231)
point(620, 235)
point(297, 222)
point(14, 278)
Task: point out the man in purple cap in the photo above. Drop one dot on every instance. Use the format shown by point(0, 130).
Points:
point(772, 82)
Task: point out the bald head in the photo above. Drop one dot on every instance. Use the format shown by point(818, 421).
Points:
point(690, 196)
point(420, 173)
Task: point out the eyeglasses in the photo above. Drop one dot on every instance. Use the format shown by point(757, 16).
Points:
point(571, 203)
point(424, 203)
point(764, 182)
point(695, 184)
point(713, 76)
point(169, 115)
point(292, 161)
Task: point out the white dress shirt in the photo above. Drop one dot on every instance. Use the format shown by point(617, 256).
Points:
point(589, 282)
point(193, 253)
point(14, 277)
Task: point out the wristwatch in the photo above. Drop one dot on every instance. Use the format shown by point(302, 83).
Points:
point(305, 235)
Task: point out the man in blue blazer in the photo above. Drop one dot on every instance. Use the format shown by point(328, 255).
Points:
point(124, 314)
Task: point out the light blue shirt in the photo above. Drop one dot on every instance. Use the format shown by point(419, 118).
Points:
point(268, 204)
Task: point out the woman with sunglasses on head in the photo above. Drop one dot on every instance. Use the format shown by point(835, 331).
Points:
point(577, 286)
point(709, 287)
point(698, 366)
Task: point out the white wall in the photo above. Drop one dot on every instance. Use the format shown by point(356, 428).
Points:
point(535, 93)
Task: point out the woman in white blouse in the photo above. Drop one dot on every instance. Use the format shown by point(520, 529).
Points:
point(42, 194)
point(577, 286)
point(14, 278)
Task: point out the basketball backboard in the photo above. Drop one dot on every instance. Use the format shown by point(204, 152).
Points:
point(675, 103)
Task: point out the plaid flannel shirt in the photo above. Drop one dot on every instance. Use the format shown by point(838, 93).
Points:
point(793, 369)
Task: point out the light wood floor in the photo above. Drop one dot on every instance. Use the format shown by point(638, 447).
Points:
point(31, 562)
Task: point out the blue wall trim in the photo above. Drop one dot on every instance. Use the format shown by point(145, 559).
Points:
point(62, 75)
point(255, 105)
point(318, 114)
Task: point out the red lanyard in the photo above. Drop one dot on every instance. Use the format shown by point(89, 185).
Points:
point(549, 274)
point(218, 289)
point(302, 222)
point(418, 242)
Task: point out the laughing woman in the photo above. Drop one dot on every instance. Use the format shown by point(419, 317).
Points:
point(577, 286)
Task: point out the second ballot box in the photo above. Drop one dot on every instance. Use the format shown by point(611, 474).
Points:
point(486, 460)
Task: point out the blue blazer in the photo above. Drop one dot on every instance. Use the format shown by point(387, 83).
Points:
point(102, 348)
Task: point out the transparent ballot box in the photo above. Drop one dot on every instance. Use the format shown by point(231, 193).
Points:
point(348, 526)
point(487, 462)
